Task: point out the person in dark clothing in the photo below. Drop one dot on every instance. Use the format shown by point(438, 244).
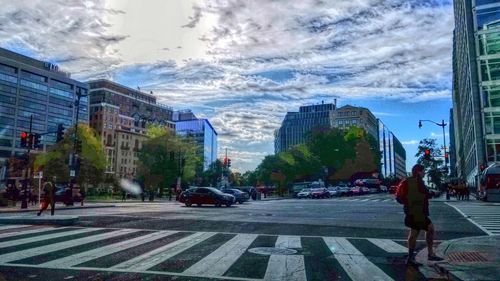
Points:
point(414, 195)
point(48, 198)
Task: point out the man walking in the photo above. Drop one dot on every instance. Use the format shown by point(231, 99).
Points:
point(48, 198)
point(415, 197)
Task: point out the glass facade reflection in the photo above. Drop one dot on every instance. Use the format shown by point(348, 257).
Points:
point(393, 154)
point(29, 87)
point(205, 136)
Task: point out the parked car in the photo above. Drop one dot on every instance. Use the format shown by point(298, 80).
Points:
point(299, 187)
point(304, 193)
point(239, 195)
point(206, 195)
point(365, 189)
point(358, 190)
point(320, 193)
point(383, 188)
point(334, 191)
point(63, 192)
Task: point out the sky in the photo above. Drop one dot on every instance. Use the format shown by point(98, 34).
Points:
point(244, 63)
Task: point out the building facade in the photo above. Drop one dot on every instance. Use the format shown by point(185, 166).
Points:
point(203, 134)
point(296, 125)
point(29, 87)
point(347, 116)
point(393, 154)
point(476, 86)
point(120, 115)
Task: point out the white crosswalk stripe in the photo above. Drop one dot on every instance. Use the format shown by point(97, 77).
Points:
point(219, 261)
point(355, 264)
point(44, 237)
point(5, 258)
point(27, 231)
point(286, 267)
point(485, 216)
point(11, 226)
point(216, 264)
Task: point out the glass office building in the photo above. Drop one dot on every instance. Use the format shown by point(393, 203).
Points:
point(29, 87)
point(476, 86)
point(205, 136)
point(393, 154)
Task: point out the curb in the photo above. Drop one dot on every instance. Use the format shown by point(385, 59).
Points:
point(64, 208)
point(63, 221)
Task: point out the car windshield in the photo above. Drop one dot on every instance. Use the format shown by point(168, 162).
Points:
point(249, 139)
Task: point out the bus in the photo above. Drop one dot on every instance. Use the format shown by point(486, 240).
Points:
point(489, 189)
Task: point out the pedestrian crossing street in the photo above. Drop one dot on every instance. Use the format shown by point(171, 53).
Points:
point(485, 216)
point(223, 256)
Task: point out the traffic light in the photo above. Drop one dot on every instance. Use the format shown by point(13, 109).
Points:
point(482, 167)
point(36, 140)
point(427, 155)
point(225, 162)
point(228, 163)
point(446, 158)
point(78, 146)
point(24, 139)
point(60, 132)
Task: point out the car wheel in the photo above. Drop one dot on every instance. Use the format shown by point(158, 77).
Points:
point(188, 203)
point(199, 205)
point(228, 204)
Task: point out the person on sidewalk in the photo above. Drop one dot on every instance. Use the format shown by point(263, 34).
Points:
point(413, 194)
point(48, 198)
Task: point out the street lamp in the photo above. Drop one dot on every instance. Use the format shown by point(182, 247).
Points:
point(442, 125)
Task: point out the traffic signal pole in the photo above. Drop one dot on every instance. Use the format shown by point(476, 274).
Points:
point(24, 202)
point(442, 125)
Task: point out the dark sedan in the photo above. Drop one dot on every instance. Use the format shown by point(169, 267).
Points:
point(206, 195)
point(239, 195)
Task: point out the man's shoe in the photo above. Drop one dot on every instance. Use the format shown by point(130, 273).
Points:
point(38, 214)
point(412, 261)
point(434, 258)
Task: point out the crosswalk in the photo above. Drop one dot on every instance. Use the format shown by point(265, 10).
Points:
point(221, 256)
point(485, 216)
point(362, 199)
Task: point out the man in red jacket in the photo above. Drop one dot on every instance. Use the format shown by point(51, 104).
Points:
point(415, 197)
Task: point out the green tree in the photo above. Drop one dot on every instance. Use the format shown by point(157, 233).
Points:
point(433, 164)
point(164, 157)
point(210, 176)
point(55, 162)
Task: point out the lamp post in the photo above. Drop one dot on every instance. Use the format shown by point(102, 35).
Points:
point(442, 125)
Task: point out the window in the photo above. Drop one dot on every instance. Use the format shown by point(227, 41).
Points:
point(7, 99)
point(33, 85)
point(33, 76)
point(8, 78)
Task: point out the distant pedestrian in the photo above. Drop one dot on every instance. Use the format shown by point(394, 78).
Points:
point(124, 196)
point(82, 195)
point(413, 193)
point(48, 198)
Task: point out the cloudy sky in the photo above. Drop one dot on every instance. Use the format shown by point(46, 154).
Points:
point(244, 63)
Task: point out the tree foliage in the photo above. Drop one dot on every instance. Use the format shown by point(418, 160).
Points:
point(433, 164)
point(163, 157)
point(55, 162)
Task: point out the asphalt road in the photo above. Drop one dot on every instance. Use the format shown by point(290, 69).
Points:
point(361, 238)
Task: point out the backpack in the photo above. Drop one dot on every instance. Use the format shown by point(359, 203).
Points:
point(402, 191)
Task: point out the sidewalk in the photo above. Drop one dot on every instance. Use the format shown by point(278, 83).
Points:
point(471, 258)
point(59, 206)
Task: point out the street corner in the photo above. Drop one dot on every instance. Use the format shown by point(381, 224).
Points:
point(44, 219)
point(471, 258)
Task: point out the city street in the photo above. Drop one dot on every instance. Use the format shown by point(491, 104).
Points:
point(347, 238)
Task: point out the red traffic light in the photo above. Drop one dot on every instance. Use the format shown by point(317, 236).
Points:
point(24, 135)
point(427, 152)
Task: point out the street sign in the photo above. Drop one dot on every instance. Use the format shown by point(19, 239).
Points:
point(39, 176)
point(72, 173)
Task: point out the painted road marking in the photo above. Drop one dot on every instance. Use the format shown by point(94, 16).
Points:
point(220, 260)
point(19, 255)
point(44, 237)
point(286, 267)
point(355, 264)
point(10, 226)
point(106, 250)
point(152, 258)
point(388, 245)
point(485, 217)
point(28, 231)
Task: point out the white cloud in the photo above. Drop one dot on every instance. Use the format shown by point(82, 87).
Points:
point(410, 142)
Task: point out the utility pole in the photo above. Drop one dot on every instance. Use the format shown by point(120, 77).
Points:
point(442, 125)
point(74, 163)
point(24, 203)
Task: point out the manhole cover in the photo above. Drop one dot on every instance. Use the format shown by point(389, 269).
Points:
point(464, 257)
point(272, 251)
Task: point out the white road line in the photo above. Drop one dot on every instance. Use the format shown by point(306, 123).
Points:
point(355, 264)
point(388, 245)
point(17, 242)
point(286, 267)
point(28, 231)
point(150, 259)
point(61, 245)
point(469, 219)
point(11, 226)
point(364, 200)
point(106, 250)
point(291, 242)
point(220, 260)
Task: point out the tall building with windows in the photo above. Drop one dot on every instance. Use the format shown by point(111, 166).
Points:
point(393, 154)
point(38, 89)
point(296, 125)
point(120, 115)
point(348, 115)
point(476, 86)
point(202, 132)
